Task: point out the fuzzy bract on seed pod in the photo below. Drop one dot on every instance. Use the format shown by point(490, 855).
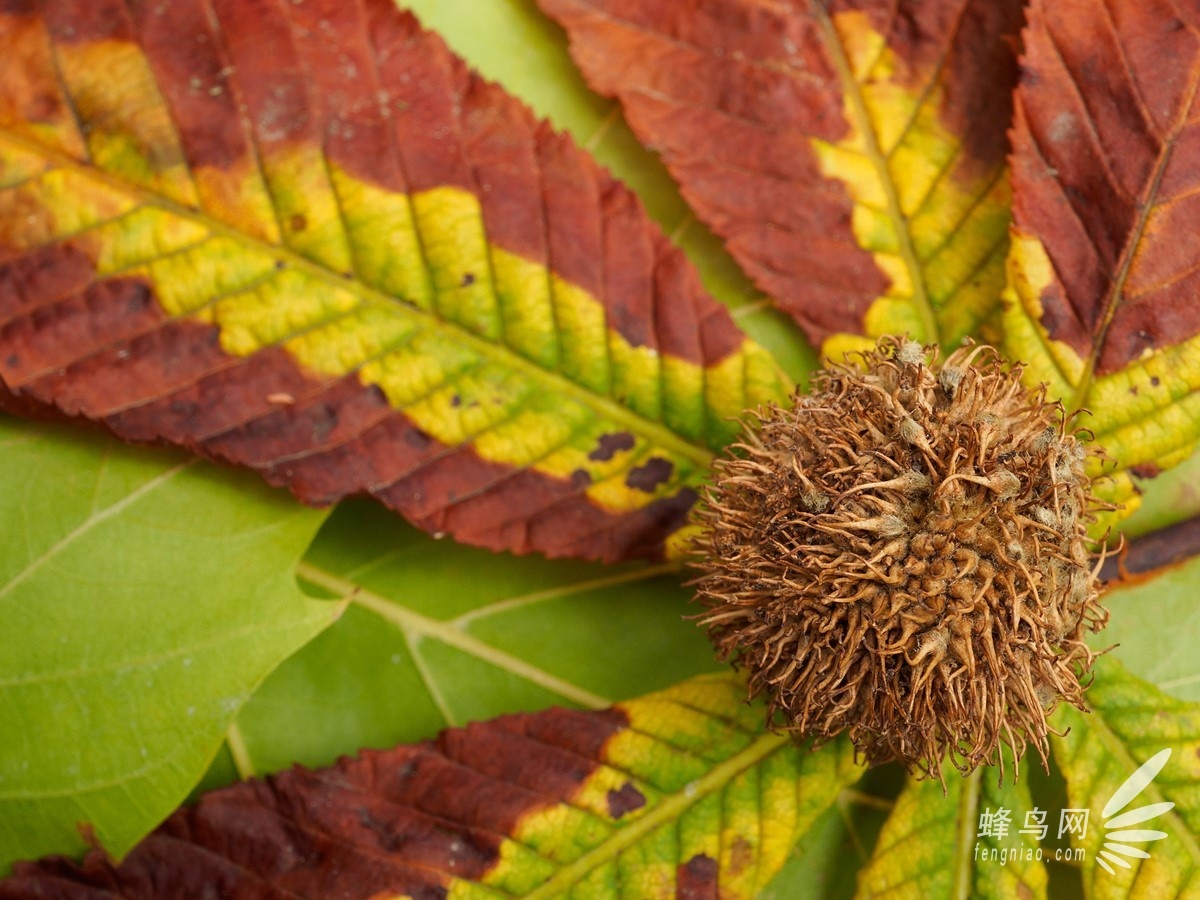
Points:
point(903, 555)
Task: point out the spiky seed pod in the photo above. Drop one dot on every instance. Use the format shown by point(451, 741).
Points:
point(903, 555)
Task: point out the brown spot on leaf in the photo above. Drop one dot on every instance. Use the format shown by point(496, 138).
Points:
point(609, 445)
point(624, 800)
point(468, 279)
point(741, 855)
point(650, 475)
point(697, 878)
point(298, 222)
point(1146, 470)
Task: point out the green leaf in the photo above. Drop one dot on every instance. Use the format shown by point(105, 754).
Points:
point(1152, 627)
point(438, 634)
point(144, 597)
point(1131, 723)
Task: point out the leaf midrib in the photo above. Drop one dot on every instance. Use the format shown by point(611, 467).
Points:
point(964, 839)
point(499, 353)
point(873, 152)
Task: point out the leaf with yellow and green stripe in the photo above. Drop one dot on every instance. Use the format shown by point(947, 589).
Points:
point(851, 153)
point(960, 840)
point(306, 239)
point(678, 793)
point(1102, 275)
point(1140, 837)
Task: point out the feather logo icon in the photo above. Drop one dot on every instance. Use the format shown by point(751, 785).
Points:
point(1117, 834)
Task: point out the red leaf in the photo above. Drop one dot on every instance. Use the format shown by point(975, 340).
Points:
point(304, 238)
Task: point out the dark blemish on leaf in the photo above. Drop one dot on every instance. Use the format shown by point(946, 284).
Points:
point(417, 438)
point(671, 512)
point(468, 279)
point(298, 222)
point(456, 401)
point(1133, 390)
point(625, 800)
point(185, 409)
point(139, 299)
point(386, 837)
point(1154, 381)
point(609, 445)
point(697, 878)
point(580, 479)
point(1146, 470)
point(12, 360)
point(279, 265)
point(324, 419)
point(1050, 317)
point(651, 475)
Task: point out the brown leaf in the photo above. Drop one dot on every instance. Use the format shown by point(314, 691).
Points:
point(306, 239)
point(850, 152)
point(1106, 182)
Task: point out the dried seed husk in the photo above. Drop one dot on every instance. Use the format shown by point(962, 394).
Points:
point(903, 555)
